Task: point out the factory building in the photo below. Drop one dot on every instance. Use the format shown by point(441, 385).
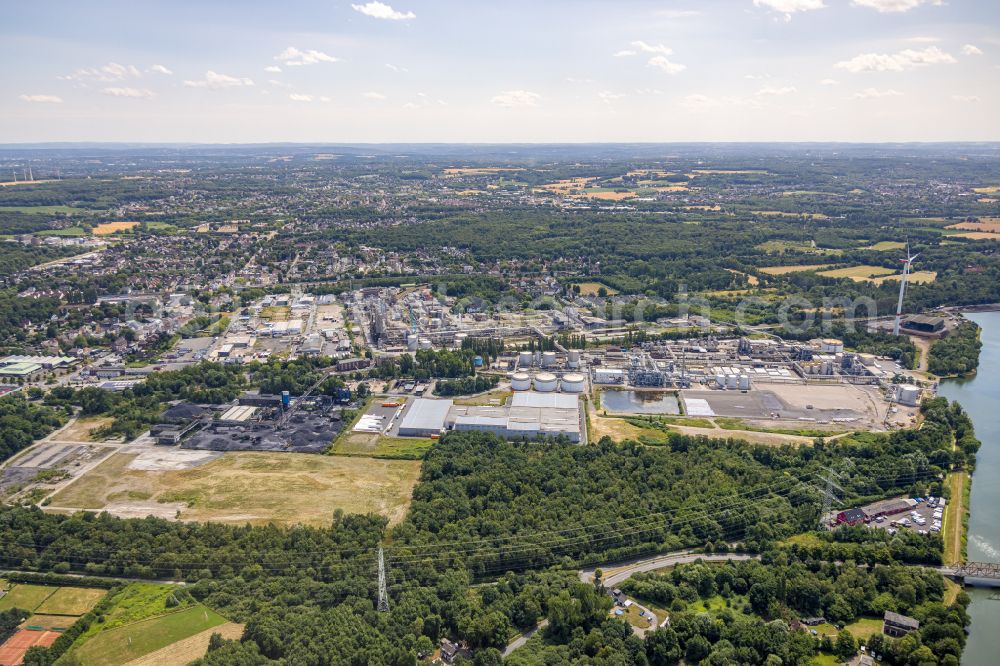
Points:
point(529, 414)
point(425, 418)
point(609, 376)
point(924, 324)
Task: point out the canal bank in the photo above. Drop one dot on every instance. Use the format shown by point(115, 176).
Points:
point(980, 397)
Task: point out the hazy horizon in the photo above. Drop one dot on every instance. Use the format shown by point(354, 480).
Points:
point(858, 71)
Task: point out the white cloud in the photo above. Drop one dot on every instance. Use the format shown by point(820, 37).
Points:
point(896, 62)
point(771, 91)
point(278, 84)
point(516, 98)
point(294, 57)
point(966, 98)
point(373, 95)
point(161, 69)
point(135, 93)
point(299, 97)
point(41, 99)
point(652, 48)
point(661, 62)
point(625, 53)
point(875, 93)
point(789, 7)
point(829, 82)
point(274, 69)
point(380, 10)
point(648, 91)
point(608, 97)
point(113, 71)
point(395, 68)
point(971, 50)
point(756, 77)
point(893, 6)
point(216, 81)
point(697, 101)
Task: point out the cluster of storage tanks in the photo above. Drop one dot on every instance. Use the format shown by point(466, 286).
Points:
point(732, 379)
point(548, 359)
point(546, 382)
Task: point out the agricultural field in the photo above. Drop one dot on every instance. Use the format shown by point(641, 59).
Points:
point(785, 270)
point(43, 210)
point(858, 273)
point(992, 189)
point(68, 232)
point(283, 488)
point(108, 228)
point(592, 288)
point(478, 171)
point(883, 246)
point(28, 597)
point(782, 213)
point(916, 277)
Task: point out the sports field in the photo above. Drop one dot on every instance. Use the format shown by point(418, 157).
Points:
point(28, 597)
point(283, 488)
point(71, 601)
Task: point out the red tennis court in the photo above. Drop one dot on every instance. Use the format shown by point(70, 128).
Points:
point(13, 649)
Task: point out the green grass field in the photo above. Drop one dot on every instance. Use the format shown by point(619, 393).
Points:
point(28, 597)
point(122, 644)
point(73, 232)
point(42, 210)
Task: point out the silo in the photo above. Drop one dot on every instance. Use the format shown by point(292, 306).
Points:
point(572, 382)
point(744, 382)
point(549, 359)
point(411, 342)
point(477, 361)
point(545, 382)
point(573, 359)
point(732, 381)
point(520, 381)
point(720, 380)
point(425, 343)
point(524, 359)
point(286, 399)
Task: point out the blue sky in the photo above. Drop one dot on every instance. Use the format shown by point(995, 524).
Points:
point(547, 70)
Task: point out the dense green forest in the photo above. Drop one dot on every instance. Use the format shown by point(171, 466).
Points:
point(957, 354)
point(22, 422)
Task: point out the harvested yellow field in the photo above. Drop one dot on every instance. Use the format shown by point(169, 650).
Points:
point(858, 273)
point(11, 183)
point(781, 213)
point(478, 171)
point(566, 185)
point(188, 649)
point(992, 189)
point(714, 208)
point(108, 228)
point(259, 488)
point(916, 277)
point(988, 224)
point(784, 270)
point(609, 196)
point(592, 288)
point(987, 200)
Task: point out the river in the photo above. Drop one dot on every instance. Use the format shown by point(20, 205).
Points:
point(980, 396)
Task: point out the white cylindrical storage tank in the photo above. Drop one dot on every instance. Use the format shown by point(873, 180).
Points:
point(435, 322)
point(720, 380)
point(744, 382)
point(411, 342)
point(831, 346)
point(545, 382)
point(549, 359)
point(908, 394)
point(732, 381)
point(459, 339)
point(425, 343)
point(572, 383)
point(520, 381)
point(573, 359)
point(524, 359)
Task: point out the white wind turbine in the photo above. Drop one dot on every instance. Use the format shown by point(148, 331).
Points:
point(907, 263)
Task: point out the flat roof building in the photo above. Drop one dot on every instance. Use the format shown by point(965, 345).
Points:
point(425, 417)
point(529, 415)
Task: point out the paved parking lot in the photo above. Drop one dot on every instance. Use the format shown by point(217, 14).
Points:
point(925, 511)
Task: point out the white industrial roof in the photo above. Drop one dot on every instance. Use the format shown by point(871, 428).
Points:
point(426, 414)
point(550, 400)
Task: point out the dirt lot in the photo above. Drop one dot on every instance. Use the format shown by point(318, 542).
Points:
point(81, 430)
point(284, 488)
